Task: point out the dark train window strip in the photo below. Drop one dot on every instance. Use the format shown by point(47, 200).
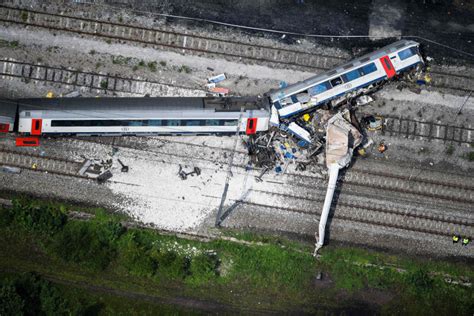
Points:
point(133, 123)
point(351, 75)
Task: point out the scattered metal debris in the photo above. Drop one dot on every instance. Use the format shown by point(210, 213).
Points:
point(8, 169)
point(85, 166)
point(217, 78)
point(184, 175)
point(104, 176)
point(124, 167)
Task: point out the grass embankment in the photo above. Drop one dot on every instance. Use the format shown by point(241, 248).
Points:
point(103, 267)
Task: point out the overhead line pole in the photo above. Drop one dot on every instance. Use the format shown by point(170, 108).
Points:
point(229, 170)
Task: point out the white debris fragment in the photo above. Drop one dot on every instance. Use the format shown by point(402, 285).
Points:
point(364, 99)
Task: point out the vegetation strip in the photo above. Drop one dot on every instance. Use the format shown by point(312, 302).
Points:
point(264, 274)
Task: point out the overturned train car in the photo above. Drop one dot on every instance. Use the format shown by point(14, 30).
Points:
point(359, 73)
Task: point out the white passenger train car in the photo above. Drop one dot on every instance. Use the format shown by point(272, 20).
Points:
point(141, 116)
point(372, 68)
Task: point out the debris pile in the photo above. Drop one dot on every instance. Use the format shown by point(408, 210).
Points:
point(213, 89)
point(100, 169)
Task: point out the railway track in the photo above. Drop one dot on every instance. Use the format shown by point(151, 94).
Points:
point(175, 41)
point(414, 129)
point(376, 215)
point(36, 162)
point(197, 44)
point(94, 82)
point(429, 189)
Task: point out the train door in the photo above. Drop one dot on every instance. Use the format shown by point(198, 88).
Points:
point(388, 66)
point(36, 125)
point(4, 128)
point(251, 126)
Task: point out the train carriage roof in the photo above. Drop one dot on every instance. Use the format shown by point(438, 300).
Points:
point(117, 107)
point(7, 111)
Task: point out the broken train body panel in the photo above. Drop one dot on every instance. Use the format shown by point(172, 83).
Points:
point(372, 68)
point(140, 116)
point(8, 110)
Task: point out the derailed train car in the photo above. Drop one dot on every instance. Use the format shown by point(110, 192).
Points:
point(362, 72)
point(141, 116)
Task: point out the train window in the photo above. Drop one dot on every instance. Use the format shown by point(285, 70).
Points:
point(367, 69)
point(155, 123)
point(173, 122)
point(229, 122)
point(387, 63)
point(212, 123)
point(407, 53)
point(192, 122)
point(336, 81)
point(351, 75)
point(136, 123)
point(320, 88)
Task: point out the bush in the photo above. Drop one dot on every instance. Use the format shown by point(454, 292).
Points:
point(29, 294)
point(11, 303)
point(450, 150)
point(83, 243)
point(420, 280)
point(152, 66)
point(135, 257)
point(203, 268)
point(38, 217)
point(170, 264)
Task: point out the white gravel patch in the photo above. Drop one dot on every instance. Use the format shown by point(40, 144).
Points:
point(155, 193)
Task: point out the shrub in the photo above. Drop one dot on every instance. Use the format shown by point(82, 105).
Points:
point(11, 303)
point(29, 294)
point(24, 16)
point(135, 257)
point(90, 247)
point(450, 150)
point(152, 66)
point(14, 44)
point(163, 63)
point(185, 69)
point(38, 216)
point(170, 265)
point(420, 280)
point(104, 84)
point(203, 268)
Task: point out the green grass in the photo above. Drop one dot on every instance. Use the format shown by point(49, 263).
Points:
point(261, 272)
